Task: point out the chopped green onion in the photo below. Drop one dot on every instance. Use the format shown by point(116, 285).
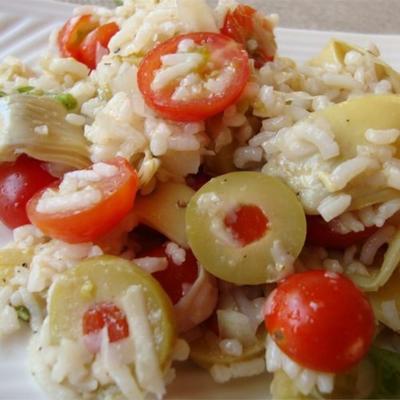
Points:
point(23, 313)
point(25, 89)
point(119, 2)
point(67, 100)
point(2, 94)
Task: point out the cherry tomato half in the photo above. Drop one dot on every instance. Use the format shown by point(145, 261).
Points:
point(95, 45)
point(321, 320)
point(320, 233)
point(220, 53)
point(88, 224)
point(19, 181)
point(109, 315)
point(248, 27)
point(73, 33)
point(174, 277)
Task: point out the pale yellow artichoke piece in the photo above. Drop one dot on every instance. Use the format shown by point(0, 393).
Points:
point(164, 210)
point(206, 352)
point(386, 298)
point(380, 276)
point(386, 302)
point(348, 122)
point(282, 387)
point(335, 52)
point(11, 258)
point(63, 143)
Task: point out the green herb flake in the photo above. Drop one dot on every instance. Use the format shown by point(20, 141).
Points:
point(25, 89)
point(2, 94)
point(119, 2)
point(67, 100)
point(23, 313)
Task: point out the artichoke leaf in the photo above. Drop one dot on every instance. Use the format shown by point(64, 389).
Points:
point(21, 114)
point(282, 387)
point(386, 300)
point(206, 352)
point(165, 209)
point(335, 52)
point(380, 276)
point(348, 122)
point(346, 385)
point(10, 258)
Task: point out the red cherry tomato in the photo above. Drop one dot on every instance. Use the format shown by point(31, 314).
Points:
point(174, 277)
point(73, 33)
point(109, 315)
point(320, 233)
point(19, 181)
point(321, 320)
point(95, 45)
point(220, 52)
point(88, 224)
point(247, 223)
point(245, 25)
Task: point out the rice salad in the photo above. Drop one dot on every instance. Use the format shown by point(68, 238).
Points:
point(177, 191)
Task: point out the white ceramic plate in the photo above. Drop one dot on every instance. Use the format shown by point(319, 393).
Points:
point(24, 28)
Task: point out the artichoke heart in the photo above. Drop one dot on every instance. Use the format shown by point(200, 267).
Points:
point(61, 143)
point(335, 52)
point(10, 258)
point(309, 174)
point(377, 278)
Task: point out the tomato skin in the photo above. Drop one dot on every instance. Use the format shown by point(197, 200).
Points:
point(319, 233)
point(95, 44)
point(222, 49)
point(105, 314)
point(19, 181)
point(73, 33)
point(321, 320)
point(174, 276)
point(245, 24)
point(89, 224)
point(247, 223)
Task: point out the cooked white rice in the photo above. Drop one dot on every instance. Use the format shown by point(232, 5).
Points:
point(269, 131)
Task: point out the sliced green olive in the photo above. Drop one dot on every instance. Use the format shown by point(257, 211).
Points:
point(106, 279)
point(206, 352)
point(11, 258)
point(335, 52)
point(348, 121)
point(164, 210)
point(212, 243)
